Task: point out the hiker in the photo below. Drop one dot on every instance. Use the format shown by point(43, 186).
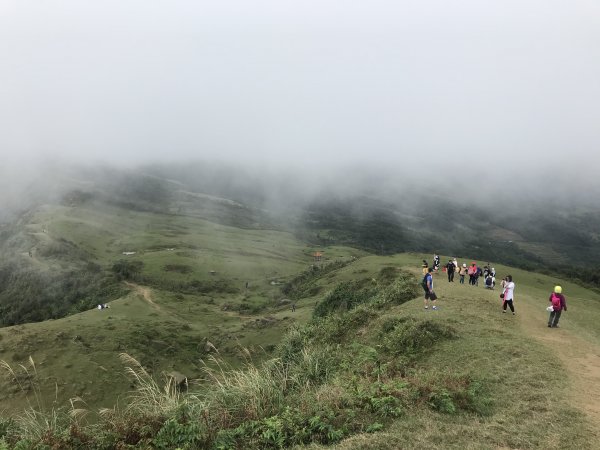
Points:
point(462, 272)
point(455, 262)
point(293, 307)
point(428, 287)
point(558, 303)
point(436, 262)
point(493, 274)
point(486, 272)
point(424, 267)
point(472, 270)
point(508, 295)
point(489, 281)
point(450, 271)
point(476, 276)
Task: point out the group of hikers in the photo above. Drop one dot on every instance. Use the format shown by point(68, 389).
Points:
point(557, 300)
point(473, 271)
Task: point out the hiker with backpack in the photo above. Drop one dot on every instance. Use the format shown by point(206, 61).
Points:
point(489, 281)
point(427, 284)
point(558, 304)
point(508, 295)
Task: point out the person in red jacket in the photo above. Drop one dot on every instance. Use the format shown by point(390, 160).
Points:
point(558, 303)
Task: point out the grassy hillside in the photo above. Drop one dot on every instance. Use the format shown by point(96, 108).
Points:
point(192, 281)
point(378, 371)
point(204, 286)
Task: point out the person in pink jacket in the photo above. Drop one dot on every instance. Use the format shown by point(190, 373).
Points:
point(559, 304)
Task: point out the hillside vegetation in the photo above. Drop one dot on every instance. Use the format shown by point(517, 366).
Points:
point(375, 372)
point(189, 283)
point(77, 237)
point(278, 349)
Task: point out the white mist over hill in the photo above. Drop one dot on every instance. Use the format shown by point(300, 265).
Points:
point(466, 86)
point(488, 102)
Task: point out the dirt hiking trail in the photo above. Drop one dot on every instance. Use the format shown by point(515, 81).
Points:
point(580, 358)
point(145, 293)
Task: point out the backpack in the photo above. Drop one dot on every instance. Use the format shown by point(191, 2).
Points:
point(556, 302)
point(424, 283)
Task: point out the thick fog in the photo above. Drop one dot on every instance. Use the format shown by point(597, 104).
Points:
point(497, 94)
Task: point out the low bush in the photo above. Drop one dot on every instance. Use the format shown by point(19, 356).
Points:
point(345, 296)
point(400, 290)
point(412, 337)
point(128, 270)
point(304, 285)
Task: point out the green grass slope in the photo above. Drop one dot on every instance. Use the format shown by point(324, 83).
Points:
point(190, 288)
point(373, 369)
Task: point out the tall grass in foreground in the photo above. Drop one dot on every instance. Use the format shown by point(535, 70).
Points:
point(37, 420)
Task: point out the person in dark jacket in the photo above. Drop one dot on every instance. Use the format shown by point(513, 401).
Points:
point(558, 304)
point(476, 276)
point(450, 268)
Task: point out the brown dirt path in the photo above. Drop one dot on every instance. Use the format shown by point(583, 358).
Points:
point(580, 358)
point(145, 293)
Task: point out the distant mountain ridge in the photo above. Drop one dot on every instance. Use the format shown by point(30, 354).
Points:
point(63, 276)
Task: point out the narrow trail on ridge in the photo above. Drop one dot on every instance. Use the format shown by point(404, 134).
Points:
point(580, 358)
point(145, 293)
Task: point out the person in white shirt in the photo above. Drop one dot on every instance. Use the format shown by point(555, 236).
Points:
point(509, 290)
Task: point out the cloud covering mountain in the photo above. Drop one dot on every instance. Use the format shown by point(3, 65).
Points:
point(466, 85)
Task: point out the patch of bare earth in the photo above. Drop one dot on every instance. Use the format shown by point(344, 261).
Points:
point(143, 292)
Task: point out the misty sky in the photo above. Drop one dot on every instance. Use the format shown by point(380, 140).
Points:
point(474, 84)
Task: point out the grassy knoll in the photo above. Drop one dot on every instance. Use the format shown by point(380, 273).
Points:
point(376, 372)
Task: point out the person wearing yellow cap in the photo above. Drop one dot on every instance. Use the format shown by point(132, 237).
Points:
point(558, 304)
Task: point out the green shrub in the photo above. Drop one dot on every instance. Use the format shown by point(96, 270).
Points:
point(374, 427)
point(450, 392)
point(174, 434)
point(294, 341)
point(315, 365)
point(291, 427)
point(442, 401)
point(391, 323)
point(412, 337)
point(344, 297)
point(128, 270)
point(304, 285)
point(401, 290)
point(5, 427)
point(387, 275)
point(336, 327)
